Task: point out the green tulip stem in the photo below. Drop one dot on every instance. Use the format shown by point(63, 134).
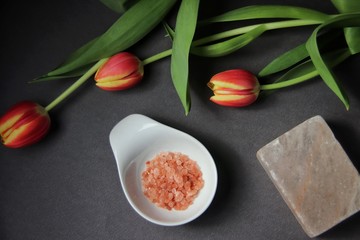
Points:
point(76, 84)
point(268, 26)
point(157, 57)
point(236, 32)
point(291, 82)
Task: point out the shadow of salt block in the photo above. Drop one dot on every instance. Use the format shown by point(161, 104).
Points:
point(313, 174)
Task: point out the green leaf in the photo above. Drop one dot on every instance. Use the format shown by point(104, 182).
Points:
point(347, 6)
point(305, 71)
point(184, 32)
point(132, 26)
point(169, 31)
point(352, 35)
point(229, 46)
point(270, 11)
point(340, 21)
point(76, 73)
point(298, 54)
point(285, 60)
point(119, 6)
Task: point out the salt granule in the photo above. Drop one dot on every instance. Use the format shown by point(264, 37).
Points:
point(172, 180)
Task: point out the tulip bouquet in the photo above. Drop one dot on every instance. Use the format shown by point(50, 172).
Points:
point(115, 69)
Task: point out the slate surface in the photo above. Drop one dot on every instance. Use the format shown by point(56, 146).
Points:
point(67, 186)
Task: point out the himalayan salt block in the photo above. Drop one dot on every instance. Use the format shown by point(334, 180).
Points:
point(314, 175)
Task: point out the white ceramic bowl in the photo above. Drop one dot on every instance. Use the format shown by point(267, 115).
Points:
point(137, 139)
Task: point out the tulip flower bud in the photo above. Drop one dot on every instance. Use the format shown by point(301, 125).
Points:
point(24, 124)
point(119, 72)
point(234, 88)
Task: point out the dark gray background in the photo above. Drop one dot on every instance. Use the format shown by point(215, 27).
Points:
point(67, 186)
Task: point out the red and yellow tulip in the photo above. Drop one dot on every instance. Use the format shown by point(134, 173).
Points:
point(234, 88)
point(119, 72)
point(24, 124)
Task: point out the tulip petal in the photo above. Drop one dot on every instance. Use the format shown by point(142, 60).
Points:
point(118, 66)
point(14, 114)
point(5, 126)
point(234, 79)
point(119, 84)
point(229, 91)
point(120, 72)
point(234, 88)
point(28, 134)
point(234, 100)
point(24, 124)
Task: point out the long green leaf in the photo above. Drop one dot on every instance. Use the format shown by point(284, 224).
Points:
point(184, 32)
point(268, 11)
point(228, 46)
point(71, 74)
point(132, 26)
point(285, 60)
point(352, 35)
point(298, 54)
point(347, 6)
point(306, 70)
point(340, 21)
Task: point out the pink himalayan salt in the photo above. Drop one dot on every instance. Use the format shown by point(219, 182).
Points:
point(172, 180)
